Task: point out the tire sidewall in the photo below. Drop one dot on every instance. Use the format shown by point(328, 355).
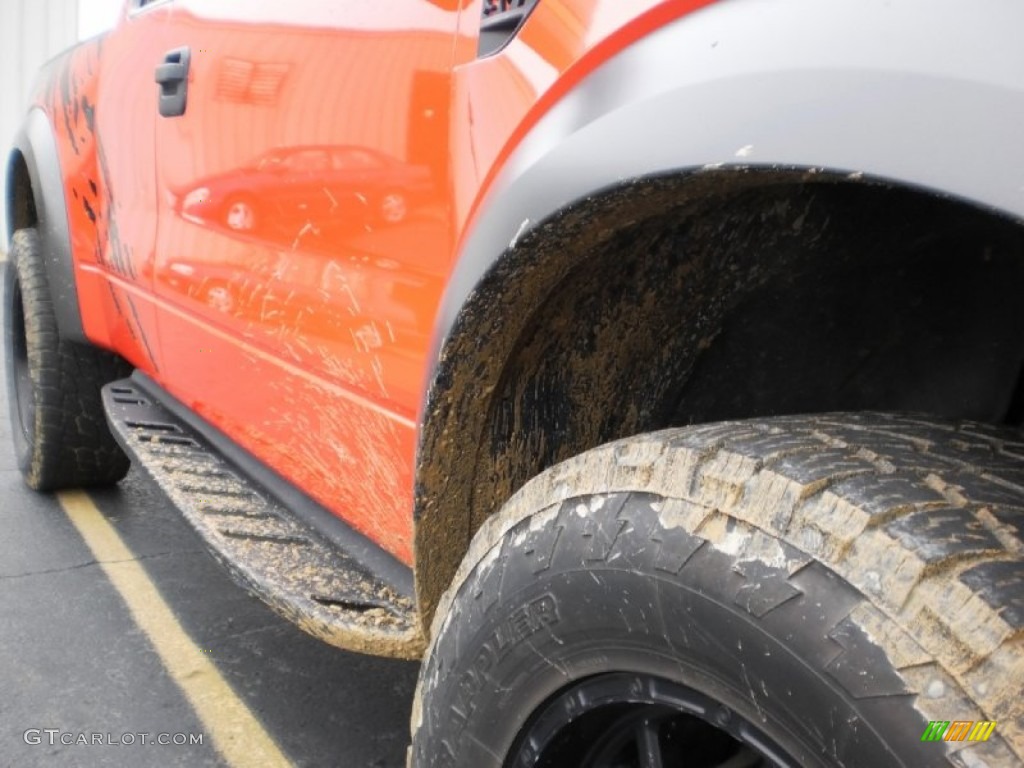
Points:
point(37, 318)
point(621, 614)
point(504, 694)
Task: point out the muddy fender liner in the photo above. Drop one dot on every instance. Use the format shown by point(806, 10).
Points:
point(330, 580)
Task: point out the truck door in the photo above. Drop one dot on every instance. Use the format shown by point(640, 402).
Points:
point(303, 233)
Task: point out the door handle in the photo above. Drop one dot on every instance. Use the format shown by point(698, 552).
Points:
point(172, 77)
point(171, 73)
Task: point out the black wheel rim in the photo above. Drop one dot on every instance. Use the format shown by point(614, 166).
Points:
point(622, 720)
point(23, 396)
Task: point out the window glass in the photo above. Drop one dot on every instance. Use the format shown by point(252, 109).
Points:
point(354, 159)
point(308, 161)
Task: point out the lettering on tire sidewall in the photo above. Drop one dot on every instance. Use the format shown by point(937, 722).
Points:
point(517, 627)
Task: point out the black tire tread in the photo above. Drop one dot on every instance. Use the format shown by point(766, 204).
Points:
point(922, 517)
point(72, 446)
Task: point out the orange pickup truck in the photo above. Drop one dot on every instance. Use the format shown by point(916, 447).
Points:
point(652, 370)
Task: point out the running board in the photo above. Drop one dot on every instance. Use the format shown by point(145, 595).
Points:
point(316, 580)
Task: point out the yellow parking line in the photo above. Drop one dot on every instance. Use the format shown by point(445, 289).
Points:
point(236, 732)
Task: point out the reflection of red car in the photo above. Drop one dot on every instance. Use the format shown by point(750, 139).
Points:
point(312, 185)
point(311, 287)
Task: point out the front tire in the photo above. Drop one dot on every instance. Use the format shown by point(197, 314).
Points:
point(800, 591)
point(61, 438)
point(240, 214)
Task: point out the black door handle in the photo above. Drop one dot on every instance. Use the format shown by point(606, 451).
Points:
point(172, 77)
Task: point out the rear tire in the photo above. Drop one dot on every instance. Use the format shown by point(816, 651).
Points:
point(393, 208)
point(61, 438)
point(809, 590)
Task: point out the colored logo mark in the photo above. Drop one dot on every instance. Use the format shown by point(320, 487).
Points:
point(958, 730)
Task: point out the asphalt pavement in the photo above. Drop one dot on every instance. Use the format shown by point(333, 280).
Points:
point(95, 671)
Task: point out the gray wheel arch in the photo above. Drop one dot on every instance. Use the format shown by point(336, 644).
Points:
point(921, 94)
point(43, 205)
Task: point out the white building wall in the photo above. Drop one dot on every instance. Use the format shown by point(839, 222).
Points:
point(31, 32)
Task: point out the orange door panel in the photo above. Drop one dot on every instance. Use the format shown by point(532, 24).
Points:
point(303, 237)
point(106, 125)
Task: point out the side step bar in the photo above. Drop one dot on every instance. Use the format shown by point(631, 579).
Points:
point(327, 578)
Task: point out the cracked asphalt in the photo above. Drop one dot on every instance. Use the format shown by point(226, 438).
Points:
point(74, 660)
